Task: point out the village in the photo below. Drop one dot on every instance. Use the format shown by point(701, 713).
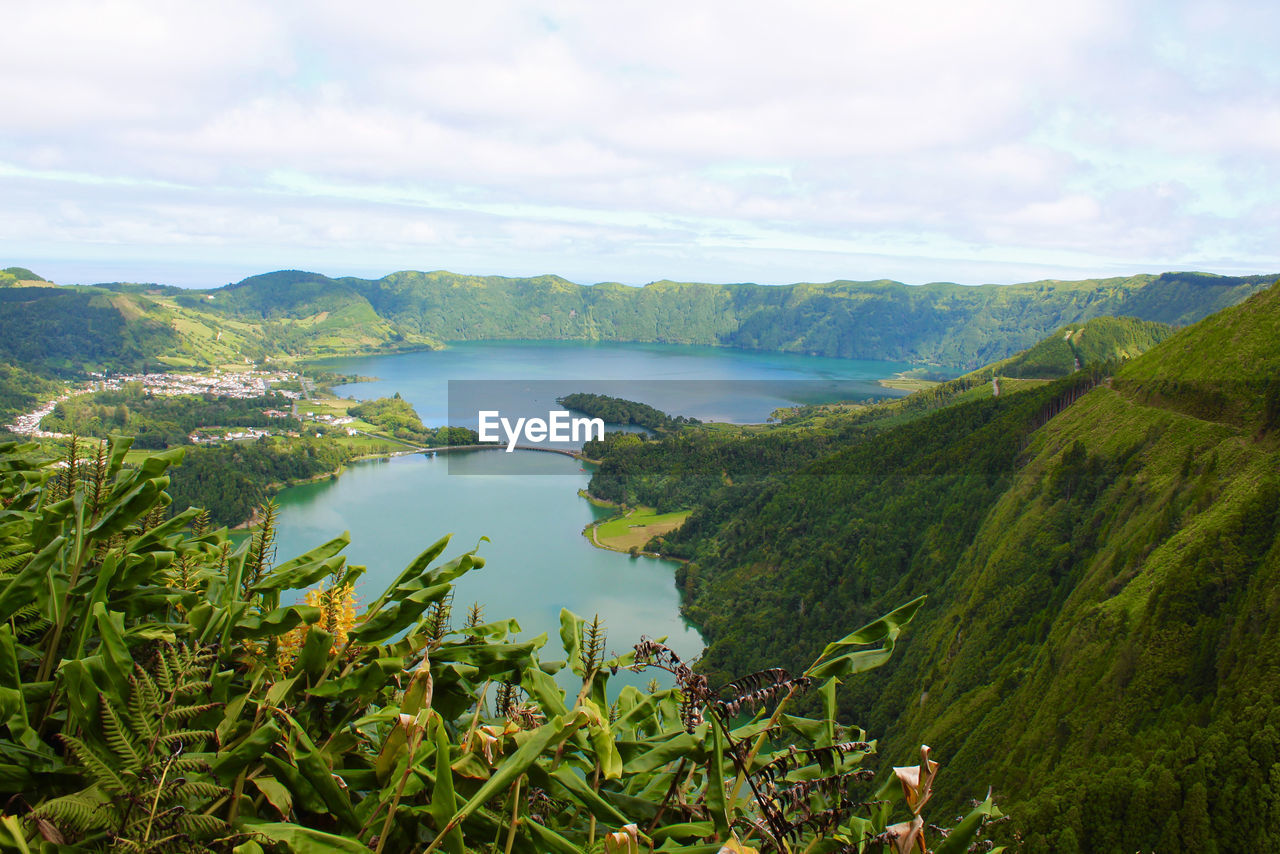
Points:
point(244, 384)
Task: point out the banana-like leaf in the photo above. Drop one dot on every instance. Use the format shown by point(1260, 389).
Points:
point(717, 804)
point(275, 622)
point(602, 743)
point(684, 830)
point(314, 654)
point(361, 682)
point(837, 660)
point(544, 689)
point(230, 761)
point(647, 756)
point(20, 591)
point(444, 803)
point(539, 740)
point(125, 511)
point(414, 569)
point(318, 772)
point(495, 631)
point(571, 638)
point(304, 840)
point(161, 531)
point(401, 614)
point(117, 662)
point(962, 835)
point(276, 793)
point(308, 568)
point(577, 788)
point(13, 835)
point(549, 840)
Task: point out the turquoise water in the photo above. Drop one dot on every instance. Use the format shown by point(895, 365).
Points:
point(710, 383)
point(537, 560)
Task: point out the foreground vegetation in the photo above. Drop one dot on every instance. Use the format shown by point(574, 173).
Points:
point(163, 690)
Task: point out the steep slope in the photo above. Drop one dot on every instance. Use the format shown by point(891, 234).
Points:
point(1099, 340)
point(67, 329)
point(1109, 653)
point(307, 314)
point(1102, 636)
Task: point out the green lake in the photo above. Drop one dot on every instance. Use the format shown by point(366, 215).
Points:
point(537, 560)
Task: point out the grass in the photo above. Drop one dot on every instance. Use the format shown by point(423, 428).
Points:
point(905, 382)
point(635, 528)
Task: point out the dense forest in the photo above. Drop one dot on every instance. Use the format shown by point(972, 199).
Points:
point(396, 417)
point(231, 479)
point(616, 410)
point(21, 391)
point(1111, 535)
point(70, 329)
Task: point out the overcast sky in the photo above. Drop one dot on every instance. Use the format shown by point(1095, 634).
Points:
point(982, 141)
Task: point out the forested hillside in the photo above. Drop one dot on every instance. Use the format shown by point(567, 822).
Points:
point(939, 323)
point(1097, 341)
point(1100, 556)
point(294, 314)
point(66, 329)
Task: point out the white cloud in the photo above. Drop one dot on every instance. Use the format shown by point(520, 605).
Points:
point(909, 136)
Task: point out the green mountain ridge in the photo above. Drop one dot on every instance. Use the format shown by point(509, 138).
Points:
point(293, 314)
point(939, 323)
point(1101, 555)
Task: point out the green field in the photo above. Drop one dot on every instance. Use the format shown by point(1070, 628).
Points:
point(635, 528)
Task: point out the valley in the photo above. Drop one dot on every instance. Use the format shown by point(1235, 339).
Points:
point(1091, 514)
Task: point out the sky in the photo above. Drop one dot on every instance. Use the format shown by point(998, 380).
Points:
point(987, 141)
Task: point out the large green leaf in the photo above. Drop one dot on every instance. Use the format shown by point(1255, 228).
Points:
point(308, 568)
point(304, 840)
point(443, 802)
point(539, 740)
point(275, 622)
point(839, 660)
point(399, 615)
point(962, 835)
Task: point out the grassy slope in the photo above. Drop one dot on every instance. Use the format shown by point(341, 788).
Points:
point(1101, 641)
point(1100, 339)
point(1151, 585)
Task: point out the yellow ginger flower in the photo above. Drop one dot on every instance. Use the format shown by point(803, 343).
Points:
point(337, 604)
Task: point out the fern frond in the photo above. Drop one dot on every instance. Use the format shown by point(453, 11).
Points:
point(186, 737)
point(188, 690)
point(119, 738)
point(79, 813)
point(193, 789)
point(186, 713)
point(164, 670)
point(188, 765)
point(144, 705)
point(101, 771)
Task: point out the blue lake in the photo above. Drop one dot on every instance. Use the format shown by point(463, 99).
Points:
point(537, 560)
